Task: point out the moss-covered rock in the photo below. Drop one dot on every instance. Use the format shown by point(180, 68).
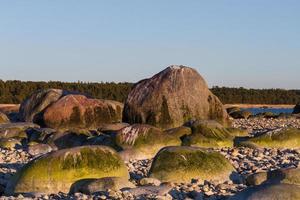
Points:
point(208, 133)
point(181, 164)
point(10, 143)
point(90, 186)
point(3, 118)
point(57, 171)
point(179, 132)
point(111, 128)
point(19, 129)
point(285, 138)
point(269, 192)
point(140, 141)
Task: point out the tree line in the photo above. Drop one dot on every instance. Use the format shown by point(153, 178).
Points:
point(16, 91)
point(256, 96)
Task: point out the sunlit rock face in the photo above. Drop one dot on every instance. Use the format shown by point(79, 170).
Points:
point(171, 98)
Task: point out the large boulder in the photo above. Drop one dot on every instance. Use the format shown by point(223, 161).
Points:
point(171, 98)
point(269, 192)
point(181, 164)
point(57, 171)
point(3, 118)
point(282, 138)
point(32, 108)
point(80, 112)
point(297, 109)
point(141, 141)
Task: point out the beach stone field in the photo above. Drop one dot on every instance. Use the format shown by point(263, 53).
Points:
point(171, 139)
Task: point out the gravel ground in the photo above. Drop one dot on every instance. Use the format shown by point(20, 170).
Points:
point(245, 160)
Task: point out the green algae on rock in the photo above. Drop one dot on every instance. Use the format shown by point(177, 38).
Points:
point(209, 133)
point(3, 118)
point(17, 129)
point(10, 143)
point(284, 138)
point(181, 164)
point(141, 141)
point(57, 171)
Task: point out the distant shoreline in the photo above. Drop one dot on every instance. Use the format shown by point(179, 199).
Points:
point(260, 105)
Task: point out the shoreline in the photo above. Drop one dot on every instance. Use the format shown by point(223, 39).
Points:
point(260, 105)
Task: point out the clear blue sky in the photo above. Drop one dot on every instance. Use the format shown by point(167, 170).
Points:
point(250, 43)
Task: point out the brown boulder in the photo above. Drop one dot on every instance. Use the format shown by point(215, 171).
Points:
point(80, 112)
point(31, 109)
point(171, 98)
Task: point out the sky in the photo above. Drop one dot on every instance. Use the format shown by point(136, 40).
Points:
point(234, 43)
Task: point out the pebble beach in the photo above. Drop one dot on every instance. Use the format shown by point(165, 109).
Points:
point(246, 161)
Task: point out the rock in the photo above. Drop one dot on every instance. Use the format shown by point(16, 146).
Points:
point(32, 108)
point(110, 128)
point(3, 118)
point(151, 190)
point(288, 176)
point(257, 178)
point(242, 114)
point(171, 98)
point(282, 138)
point(233, 109)
point(297, 109)
point(209, 133)
point(39, 149)
point(68, 139)
point(150, 181)
point(39, 135)
point(79, 112)
point(103, 139)
point(15, 129)
point(90, 186)
point(181, 164)
point(267, 115)
point(58, 170)
point(141, 141)
point(9, 108)
point(179, 132)
point(10, 143)
point(269, 192)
